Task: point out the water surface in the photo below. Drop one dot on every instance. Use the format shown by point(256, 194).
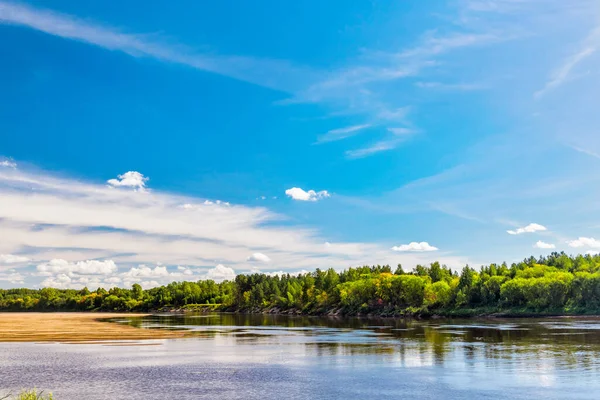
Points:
point(279, 357)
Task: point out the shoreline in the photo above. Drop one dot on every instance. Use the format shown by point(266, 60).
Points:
point(75, 327)
point(96, 327)
point(467, 313)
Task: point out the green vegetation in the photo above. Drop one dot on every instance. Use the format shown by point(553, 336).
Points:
point(30, 395)
point(557, 284)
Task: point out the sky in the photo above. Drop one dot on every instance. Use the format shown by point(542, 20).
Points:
point(148, 142)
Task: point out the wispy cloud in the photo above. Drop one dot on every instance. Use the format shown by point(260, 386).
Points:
point(585, 151)
point(565, 71)
point(459, 87)
point(396, 137)
point(250, 69)
point(8, 164)
point(377, 147)
point(341, 133)
point(434, 44)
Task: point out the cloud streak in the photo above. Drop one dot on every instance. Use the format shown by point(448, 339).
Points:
point(249, 69)
point(341, 133)
point(565, 71)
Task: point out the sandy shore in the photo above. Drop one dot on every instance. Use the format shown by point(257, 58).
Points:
point(73, 328)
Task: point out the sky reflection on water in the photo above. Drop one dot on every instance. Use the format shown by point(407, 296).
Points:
point(273, 357)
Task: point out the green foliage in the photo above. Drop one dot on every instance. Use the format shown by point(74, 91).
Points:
point(30, 395)
point(548, 284)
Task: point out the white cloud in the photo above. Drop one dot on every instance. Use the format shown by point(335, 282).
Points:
point(527, 229)
point(220, 273)
point(341, 133)
point(131, 179)
point(205, 203)
point(461, 87)
point(592, 252)
point(61, 218)
point(301, 195)
point(258, 257)
point(144, 271)
point(280, 273)
point(563, 73)
point(249, 69)
point(73, 275)
point(61, 281)
point(543, 245)
point(15, 278)
point(375, 148)
point(585, 242)
point(12, 259)
point(415, 246)
point(433, 45)
point(185, 270)
point(88, 267)
point(397, 137)
point(8, 164)
point(395, 115)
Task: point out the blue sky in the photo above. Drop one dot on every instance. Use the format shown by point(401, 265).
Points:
point(149, 142)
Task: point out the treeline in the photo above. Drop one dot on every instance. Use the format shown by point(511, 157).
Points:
point(556, 283)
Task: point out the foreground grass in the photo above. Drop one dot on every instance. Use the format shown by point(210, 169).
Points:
point(30, 395)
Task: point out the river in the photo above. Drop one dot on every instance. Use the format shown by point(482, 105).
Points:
point(283, 357)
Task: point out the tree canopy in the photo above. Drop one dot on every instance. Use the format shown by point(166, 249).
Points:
point(556, 283)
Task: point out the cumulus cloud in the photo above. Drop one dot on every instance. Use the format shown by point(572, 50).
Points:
point(415, 246)
point(12, 277)
point(144, 271)
point(585, 242)
point(220, 273)
point(61, 281)
point(185, 271)
point(527, 229)
point(61, 218)
point(8, 164)
point(544, 245)
point(301, 195)
point(88, 267)
point(12, 259)
point(592, 252)
point(131, 179)
point(258, 257)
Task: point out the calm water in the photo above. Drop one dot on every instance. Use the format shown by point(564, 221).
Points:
point(275, 357)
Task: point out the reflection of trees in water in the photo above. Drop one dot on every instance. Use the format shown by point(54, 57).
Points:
point(526, 345)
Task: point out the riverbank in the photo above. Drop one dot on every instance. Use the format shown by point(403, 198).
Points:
point(88, 327)
point(389, 312)
point(74, 328)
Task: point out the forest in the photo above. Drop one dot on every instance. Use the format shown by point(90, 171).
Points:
point(555, 284)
